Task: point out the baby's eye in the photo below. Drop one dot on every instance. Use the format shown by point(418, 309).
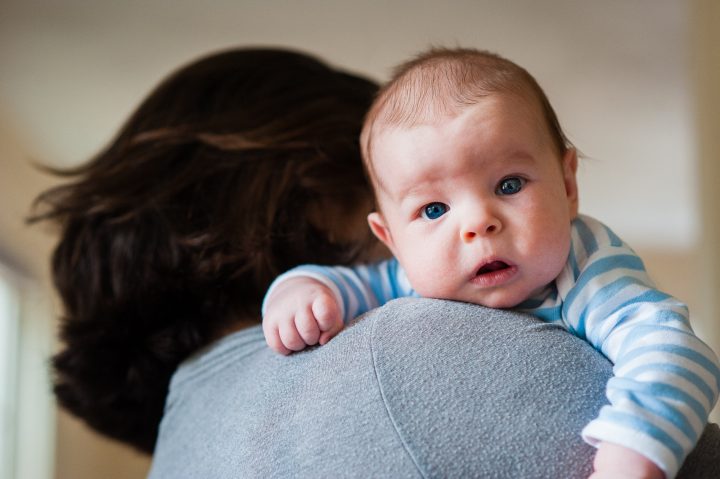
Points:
point(433, 211)
point(510, 186)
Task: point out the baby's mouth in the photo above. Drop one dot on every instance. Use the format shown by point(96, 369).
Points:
point(495, 273)
point(491, 267)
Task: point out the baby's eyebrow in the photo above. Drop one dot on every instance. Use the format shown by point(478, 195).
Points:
point(416, 185)
point(410, 189)
point(410, 194)
point(419, 194)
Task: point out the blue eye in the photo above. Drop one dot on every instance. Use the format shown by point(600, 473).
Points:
point(510, 186)
point(433, 211)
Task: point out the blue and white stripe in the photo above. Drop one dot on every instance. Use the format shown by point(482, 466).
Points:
point(666, 380)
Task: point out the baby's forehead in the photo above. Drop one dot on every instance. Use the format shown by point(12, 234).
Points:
point(496, 129)
point(441, 121)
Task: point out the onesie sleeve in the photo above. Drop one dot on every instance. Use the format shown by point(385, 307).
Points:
point(666, 380)
point(358, 289)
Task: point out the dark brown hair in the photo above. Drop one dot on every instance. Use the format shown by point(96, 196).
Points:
point(218, 182)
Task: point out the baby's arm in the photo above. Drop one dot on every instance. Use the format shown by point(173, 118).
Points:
point(310, 304)
point(300, 312)
point(666, 380)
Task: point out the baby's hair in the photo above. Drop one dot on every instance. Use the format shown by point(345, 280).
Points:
point(442, 82)
point(223, 178)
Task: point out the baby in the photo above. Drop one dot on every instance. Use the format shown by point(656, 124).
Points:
point(478, 202)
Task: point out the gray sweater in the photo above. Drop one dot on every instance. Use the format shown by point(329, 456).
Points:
point(417, 388)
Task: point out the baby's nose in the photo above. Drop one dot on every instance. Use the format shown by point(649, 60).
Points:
point(489, 227)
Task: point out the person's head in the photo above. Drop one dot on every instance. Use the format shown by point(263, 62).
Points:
point(473, 177)
point(236, 168)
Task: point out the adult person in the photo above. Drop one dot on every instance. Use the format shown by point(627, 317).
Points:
point(417, 388)
point(237, 167)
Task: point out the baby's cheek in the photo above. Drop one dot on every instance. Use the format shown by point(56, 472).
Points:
point(433, 280)
point(555, 260)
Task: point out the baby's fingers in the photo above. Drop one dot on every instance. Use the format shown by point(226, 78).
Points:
point(290, 337)
point(327, 313)
point(307, 326)
point(272, 336)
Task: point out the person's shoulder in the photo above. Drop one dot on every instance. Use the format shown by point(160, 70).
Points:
point(452, 372)
point(217, 356)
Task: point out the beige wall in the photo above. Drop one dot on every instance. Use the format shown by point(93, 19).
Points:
point(705, 64)
point(80, 454)
point(50, 443)
point(19, 183)
point(692, 274)
point(24, 253)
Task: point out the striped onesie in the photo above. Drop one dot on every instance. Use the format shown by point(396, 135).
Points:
point(665, 381)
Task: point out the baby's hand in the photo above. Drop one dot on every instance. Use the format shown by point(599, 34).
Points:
point(300, 312)
point(613, 461)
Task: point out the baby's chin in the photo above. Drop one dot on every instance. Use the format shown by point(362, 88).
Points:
point(498, 303)
point(501, 299)
point(509, 297)
point(495, 301)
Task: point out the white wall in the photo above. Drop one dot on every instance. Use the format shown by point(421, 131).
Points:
point(615, 70)
point(634, 84)
point(706, 75)
point(23, 261)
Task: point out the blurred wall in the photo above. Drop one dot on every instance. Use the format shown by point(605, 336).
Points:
point(50, 443)
point(24, 255)
point(705, 54)
point(690, 269)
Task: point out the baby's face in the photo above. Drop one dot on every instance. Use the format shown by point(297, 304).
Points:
point(476, 207)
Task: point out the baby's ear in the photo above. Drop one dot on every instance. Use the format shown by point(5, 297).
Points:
point(570, 163)
point(379, 228)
